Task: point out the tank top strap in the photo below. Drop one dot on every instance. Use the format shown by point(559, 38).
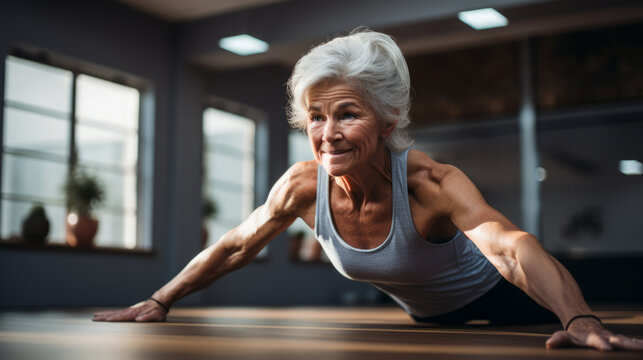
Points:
point(321, 206)
point(401, 195)
point(402, 220)
point(398, 173)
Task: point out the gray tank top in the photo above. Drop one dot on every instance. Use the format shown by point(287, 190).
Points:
point(425, 278)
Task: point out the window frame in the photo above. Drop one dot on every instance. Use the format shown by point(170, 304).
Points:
point(142, 169)
point(260, 137)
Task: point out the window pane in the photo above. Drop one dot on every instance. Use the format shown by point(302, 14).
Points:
point(31, 131)
point(107, 102)
point(228, 130)
point(15, 212)
point(589, 205)
point(115, 229)
point(107, 143)
point(228, 155)
point(248, 178)
point(33, 177)
point(224, 167)
point(229, 204)
point(120, 188)
point(298, 148)
point(303, 246)
point(98, 146)
point(37, 84)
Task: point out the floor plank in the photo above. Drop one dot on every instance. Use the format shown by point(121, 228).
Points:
point(286, 333)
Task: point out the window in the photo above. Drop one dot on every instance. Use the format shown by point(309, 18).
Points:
point(303, 246)
point(590, 92)
point(56, 120)
point(229, 170)
point(590, 205)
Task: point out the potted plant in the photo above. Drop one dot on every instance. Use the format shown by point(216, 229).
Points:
point(35, 226)
point(209, 211)
point(83, 193)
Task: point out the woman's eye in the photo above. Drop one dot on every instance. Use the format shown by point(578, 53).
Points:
point(315, 118)
point(348, 116)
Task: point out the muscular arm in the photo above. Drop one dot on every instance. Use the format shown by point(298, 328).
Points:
point(292, 196)
point(517, 255)
point(234, 250)
point(521, 259)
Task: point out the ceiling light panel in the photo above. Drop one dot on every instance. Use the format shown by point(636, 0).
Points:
point(244, 45)
point(483, 18)
point(631, 167)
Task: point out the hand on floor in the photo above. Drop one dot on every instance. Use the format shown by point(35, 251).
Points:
point(145, 311)
point(588, 332)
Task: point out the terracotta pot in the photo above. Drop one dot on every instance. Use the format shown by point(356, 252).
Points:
point(81, 230)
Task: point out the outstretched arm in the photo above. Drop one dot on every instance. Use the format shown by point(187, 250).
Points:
point(522, 260)
point(289, 198)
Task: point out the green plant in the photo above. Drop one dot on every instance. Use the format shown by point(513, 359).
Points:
point(83, 192)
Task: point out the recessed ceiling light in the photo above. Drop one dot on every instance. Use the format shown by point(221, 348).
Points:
point(630, 167)
point(243, 45)
point(483, 18)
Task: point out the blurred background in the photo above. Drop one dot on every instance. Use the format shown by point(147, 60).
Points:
point(131, 138)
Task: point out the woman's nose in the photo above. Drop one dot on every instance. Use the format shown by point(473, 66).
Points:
point(332, 131)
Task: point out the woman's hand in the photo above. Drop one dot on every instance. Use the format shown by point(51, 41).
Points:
point(145, 311)
point(588, 332)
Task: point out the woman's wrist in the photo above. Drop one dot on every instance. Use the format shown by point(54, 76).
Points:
point(165, 307)
point(570, 321)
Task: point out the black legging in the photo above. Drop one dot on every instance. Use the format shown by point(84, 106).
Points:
point(504, 304)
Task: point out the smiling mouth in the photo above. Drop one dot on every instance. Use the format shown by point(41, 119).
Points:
point(337, 152)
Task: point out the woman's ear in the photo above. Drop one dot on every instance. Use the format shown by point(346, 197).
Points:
point(388, 129)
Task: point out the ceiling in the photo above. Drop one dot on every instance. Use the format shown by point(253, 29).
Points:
point(187, 10)
point(419, 26)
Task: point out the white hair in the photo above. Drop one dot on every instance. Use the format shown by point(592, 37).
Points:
point(372, 64)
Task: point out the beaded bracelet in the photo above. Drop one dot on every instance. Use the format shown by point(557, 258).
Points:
point(167, 309)
point(582, 316)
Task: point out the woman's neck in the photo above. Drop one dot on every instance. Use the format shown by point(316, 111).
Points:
point(365, 184)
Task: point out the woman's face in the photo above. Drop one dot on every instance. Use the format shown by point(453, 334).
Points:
point(342, 128)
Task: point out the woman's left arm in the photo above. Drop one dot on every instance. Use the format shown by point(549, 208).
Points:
point(522, 260)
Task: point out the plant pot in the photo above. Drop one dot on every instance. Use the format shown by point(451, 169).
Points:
point(81, 230)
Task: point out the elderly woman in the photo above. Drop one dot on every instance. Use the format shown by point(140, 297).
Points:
point(416, 229)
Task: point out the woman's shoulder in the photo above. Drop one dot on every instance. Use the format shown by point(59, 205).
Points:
point(296, 189)
point(423, 170)
point(434, 183)
point(303, 173)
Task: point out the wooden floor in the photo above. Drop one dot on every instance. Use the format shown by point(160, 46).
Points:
point(290, 333)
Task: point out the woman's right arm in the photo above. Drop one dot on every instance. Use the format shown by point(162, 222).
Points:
point(292, 196)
